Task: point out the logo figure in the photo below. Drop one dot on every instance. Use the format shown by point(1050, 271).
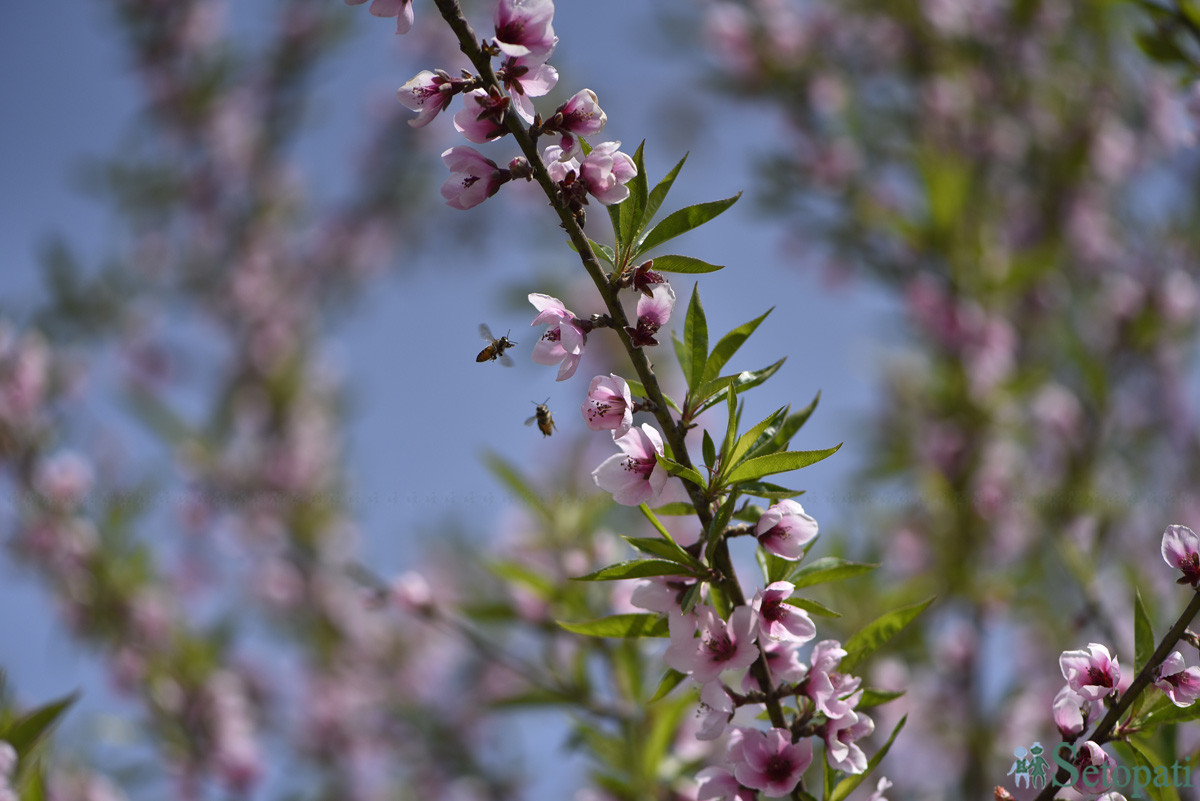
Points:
point(1029, 767)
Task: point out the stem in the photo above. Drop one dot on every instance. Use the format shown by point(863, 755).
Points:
point(1103, 732)
point(674, 433)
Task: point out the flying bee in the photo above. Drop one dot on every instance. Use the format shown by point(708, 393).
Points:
point(495, 348)
point(545, 420)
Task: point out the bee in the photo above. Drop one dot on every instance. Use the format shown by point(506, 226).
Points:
point(545, 420)
point(495, 348)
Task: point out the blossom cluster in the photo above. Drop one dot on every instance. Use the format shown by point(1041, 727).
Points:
point(1093, 675)
point(523, 44)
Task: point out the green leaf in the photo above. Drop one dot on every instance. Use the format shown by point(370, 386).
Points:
point(632, 210)
point(763, 489)
point(673, 263)
point(686, 473)
point(31, 727)
point(773, 463)
point(827, 569)
point(745, 441)
point(683, 355)
point(695, 338)
point(622, 626)
point(637, 568)
point(809, 605)
point(717, 530)
point(690, 597)
point(661, 548)
point(675, 509)
point(1144, 755)
point(729, 345)
point(871, 697)
point(878, 632)
point(684, 220)
point(1143, 633)
point(603, 251)
point(709, 392)
point(774, 568)
point(793, 424)
point(670, 680)
point(1171, 714)
point(847, 785)
point(709, 450)
point(659, 193)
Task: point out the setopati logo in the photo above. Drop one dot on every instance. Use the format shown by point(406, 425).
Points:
point(1087, 767)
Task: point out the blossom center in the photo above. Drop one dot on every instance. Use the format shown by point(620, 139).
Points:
point(1098, 677)
point(720, 647)
point(643, 467)
point(779, 767)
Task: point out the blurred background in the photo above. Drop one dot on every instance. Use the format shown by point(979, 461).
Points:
point(257, 322)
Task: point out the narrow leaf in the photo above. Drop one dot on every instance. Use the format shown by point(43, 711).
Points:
point(511, 478)
point(686, 473)
point(637, 568)
point(878, 632)
point(709, 450)
point(773, 463)
point(793, 424)
point(659, 193)
point(729, 345)
point(683, 354)
point(633, 209)
point(670, 680)
point(632, 625)
point(827, 569)
point(809, 605)
point(673, 263)
point(774, 492)
point(661, 548)
point(675, 509)
point(684, 220)
point(742, 446)
point(31, 727)
point(695, 339)
point(709, 393)
point(603, 251)
point(872, 697)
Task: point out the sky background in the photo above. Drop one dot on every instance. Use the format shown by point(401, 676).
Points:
point(423, 410)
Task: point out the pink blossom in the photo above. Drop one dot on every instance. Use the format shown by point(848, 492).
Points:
point(831, 692)
point(841, 750)
point(1070, 711)
point(524, 27)
point(1095, 768)
point(783, 660)
point(606, 170)
point(428, 93)
point(474, 178)
point(779, 620)
point(482, 117)
point(716, 710)
point(663, 594)
point(580, 116)
point(1181, 549)
point(653, 312)
point(609, 404)
point(718, 784)
point(64, 479)
point(721, 645)
point(1092, 673)
point(634, 476)
point(1182, 685)
point(770, 761)
point(785, 528)
point(400, 9)
point(525, 77)
point(561, 344)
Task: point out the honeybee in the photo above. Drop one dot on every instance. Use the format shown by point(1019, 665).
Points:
point(545, 420)
point(495, 348)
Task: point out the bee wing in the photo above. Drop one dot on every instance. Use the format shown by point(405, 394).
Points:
point(506, 360)
point(529, 422)
point(486, 332)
